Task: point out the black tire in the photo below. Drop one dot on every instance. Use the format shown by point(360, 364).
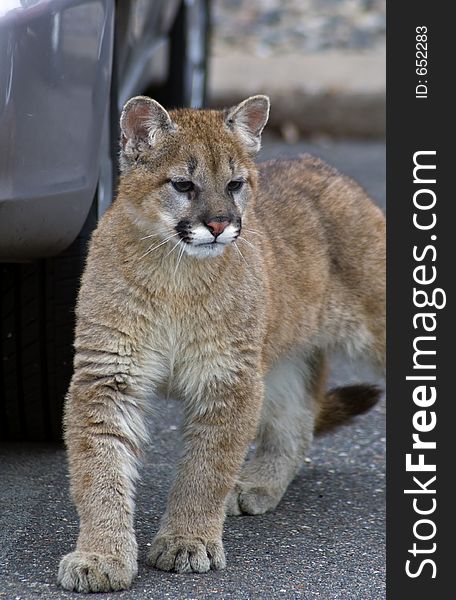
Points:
point(176, 92)
point(36, 340)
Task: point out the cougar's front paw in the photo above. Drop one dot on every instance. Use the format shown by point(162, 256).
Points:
point(184, 554)
point(250, 499)
point(91, 572)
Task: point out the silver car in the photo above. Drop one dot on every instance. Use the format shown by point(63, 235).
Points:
point(66, 68)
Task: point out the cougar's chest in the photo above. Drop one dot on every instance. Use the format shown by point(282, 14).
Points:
point(184, 348)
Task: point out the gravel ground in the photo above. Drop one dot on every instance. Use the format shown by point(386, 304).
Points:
point(267, 27)
point(322, 62)
point(326, 540)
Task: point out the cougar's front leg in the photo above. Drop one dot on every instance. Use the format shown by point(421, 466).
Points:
point(218, 427)
point(104, 430)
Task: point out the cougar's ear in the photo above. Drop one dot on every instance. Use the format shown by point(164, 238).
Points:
point(248, 119)
point(141, 123)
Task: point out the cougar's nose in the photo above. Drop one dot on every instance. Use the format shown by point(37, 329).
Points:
point(217, 225)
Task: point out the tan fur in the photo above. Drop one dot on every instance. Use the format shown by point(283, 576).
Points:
point(308, 277)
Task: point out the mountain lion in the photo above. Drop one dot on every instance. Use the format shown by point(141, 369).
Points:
point(224, 284)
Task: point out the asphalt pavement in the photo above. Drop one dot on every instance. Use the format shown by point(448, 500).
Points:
point(326, 539)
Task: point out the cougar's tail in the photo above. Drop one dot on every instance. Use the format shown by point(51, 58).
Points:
point(340, 405)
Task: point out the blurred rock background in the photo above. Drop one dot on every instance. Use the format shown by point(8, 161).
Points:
point(266, 27)
point(322, 62)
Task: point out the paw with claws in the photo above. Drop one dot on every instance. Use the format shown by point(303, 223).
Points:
point(186, 554)
point(92, 572)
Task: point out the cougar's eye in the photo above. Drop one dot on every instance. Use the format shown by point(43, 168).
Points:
point(234, 186)
point(183, 186)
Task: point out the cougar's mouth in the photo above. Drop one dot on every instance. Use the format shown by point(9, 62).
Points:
point(213, 243)
point(203, 241)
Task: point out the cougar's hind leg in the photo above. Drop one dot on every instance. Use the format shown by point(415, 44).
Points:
point(284, 435)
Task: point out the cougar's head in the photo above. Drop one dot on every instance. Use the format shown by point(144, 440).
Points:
point(190, 173)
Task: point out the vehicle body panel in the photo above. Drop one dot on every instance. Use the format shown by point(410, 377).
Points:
point(55, 74)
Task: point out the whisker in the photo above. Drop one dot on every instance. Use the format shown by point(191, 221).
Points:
point(149, 236)
point(252, 231)
point(249, 243)
point(173, 248)
point(179, 258)
point(151, 249)
point(240, 254)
